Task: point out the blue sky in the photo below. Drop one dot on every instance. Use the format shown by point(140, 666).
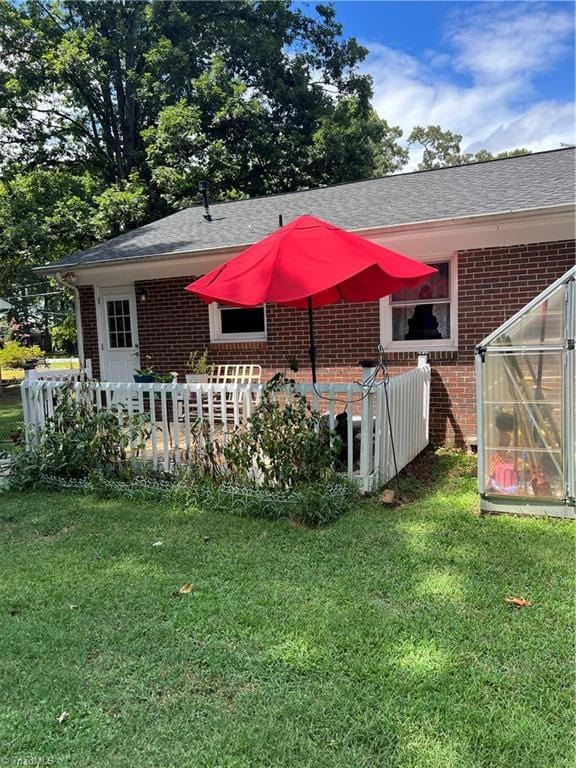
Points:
point(499, 73)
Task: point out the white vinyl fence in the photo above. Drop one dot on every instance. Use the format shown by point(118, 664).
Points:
point(186, 419)
point(409, 409)
point(53, 374)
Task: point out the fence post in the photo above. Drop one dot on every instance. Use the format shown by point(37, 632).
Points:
point(367, 430)
point(26, 415)
point(422, 363)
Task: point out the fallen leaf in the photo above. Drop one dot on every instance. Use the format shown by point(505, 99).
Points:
point(63, 716)
point(185, 589)
point(517, 602)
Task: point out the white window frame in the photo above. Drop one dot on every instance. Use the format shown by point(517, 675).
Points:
point(216, 335)
point(425, 345)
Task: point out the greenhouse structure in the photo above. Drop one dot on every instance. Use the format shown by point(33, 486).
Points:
point(526, 408)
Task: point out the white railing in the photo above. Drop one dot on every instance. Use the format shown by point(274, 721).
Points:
point(190, 419)
point(409, 408)
point(53, 374)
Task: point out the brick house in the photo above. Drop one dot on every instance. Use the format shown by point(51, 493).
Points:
point(499, 232)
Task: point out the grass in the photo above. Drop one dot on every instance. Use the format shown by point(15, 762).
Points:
point(380, 641)
point(10, 414)
point(17, 374)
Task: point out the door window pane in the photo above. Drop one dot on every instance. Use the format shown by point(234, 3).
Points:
point(119, 324)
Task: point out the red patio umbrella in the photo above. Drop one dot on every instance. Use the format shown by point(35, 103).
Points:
point(306, 264)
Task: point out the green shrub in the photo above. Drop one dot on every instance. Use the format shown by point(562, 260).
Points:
point(14, 354)
point(198, 362)
point(64, 335)
point(286, 443)
point(280, 466)
point(79, 440)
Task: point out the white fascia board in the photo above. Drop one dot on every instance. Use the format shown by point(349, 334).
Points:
point(426, 240)
point(477, 219)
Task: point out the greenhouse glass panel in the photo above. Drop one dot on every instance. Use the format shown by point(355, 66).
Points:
point(526, 379)
point(541, 325)
point(523, 418)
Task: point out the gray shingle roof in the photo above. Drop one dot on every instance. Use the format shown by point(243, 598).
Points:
point(513, 184)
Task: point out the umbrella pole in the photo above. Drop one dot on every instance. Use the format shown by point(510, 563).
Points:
point(312, 349)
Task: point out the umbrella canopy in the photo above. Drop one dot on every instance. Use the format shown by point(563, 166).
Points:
point(309, 263)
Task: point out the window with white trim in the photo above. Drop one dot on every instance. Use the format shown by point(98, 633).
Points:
point(423, 318)
point(235, 324)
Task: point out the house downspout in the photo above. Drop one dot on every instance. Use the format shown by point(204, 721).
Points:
point(68, 280)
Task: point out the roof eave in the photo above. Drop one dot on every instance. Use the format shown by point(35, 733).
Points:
point(49, 269)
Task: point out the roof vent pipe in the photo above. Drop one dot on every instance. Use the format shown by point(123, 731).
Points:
point(204, 186)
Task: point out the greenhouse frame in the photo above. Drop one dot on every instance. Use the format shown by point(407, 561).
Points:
point(526, 408)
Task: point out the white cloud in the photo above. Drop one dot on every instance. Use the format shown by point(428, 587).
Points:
point(509, 40)
point(484, 86)
point(545, 125)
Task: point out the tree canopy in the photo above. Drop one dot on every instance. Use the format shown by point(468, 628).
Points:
point(246, 91)
point(112, 112)
point(442, 149)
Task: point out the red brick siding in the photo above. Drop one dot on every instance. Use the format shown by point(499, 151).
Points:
point(89, 327)
point(171, 323)
point(493, 283)
point(344, 333)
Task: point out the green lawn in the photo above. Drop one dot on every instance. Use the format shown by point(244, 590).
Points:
point(10, 414)
point(17, 374)
point(380, 641)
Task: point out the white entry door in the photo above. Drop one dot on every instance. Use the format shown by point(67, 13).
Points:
point(119, 349)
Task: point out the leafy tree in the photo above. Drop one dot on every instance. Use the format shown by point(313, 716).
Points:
point(119, 207)
point(111, 112)
point(351, 145)
point(483, 154)
point(224, 136)
point(84, 81)
point(43, 211)
point(47, 214)
point(442, 148)
point(64, 334)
